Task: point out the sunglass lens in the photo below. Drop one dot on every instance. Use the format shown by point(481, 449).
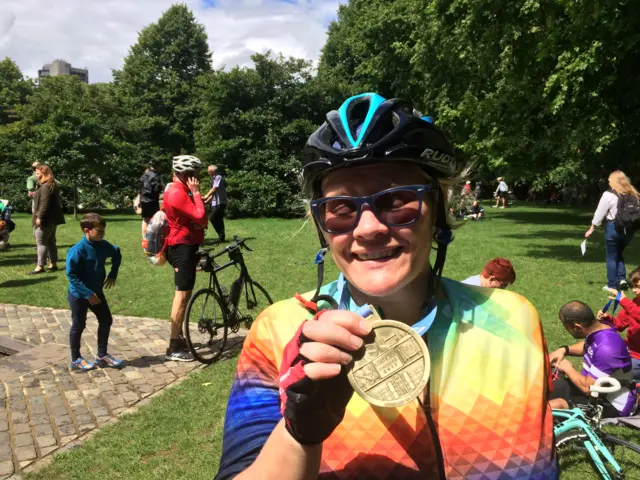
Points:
point(399, 207)
point(338, 215)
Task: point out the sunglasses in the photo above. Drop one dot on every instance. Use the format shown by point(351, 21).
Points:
point(395, 207)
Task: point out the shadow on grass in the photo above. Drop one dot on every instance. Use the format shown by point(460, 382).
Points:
point(26, 281)
point(549, 216)
point(18, 260)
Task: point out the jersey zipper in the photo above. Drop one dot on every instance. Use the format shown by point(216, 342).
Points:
point(426, 408)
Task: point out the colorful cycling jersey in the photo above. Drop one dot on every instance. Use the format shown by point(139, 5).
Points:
point(605, 354)
point(186, 215)
point(488, 415)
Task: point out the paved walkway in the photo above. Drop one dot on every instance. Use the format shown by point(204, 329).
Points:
point(41, 411)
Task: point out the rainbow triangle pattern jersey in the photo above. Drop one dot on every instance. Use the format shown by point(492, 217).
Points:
point(487, 417)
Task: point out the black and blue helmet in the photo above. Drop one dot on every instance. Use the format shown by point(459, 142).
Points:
point(367, 129)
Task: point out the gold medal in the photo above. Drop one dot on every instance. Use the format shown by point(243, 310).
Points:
point(395, 367)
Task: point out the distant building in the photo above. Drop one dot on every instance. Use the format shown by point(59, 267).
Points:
point(60, 67)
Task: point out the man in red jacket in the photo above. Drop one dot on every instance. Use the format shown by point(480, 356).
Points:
point(629, 319)
point(187, 219)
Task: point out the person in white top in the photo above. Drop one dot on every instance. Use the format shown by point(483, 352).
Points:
point(501, 193)
point(615, 242)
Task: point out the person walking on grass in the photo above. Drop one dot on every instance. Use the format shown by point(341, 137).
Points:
point(501, 193)
point(149, 188)
point(615, 241)
point(47, 215)
point(32, 183)
point(187, 220)
point(218, 197)
point(87, 278)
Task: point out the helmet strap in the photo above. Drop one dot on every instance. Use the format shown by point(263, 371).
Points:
point(319, 261)
point(443, 237)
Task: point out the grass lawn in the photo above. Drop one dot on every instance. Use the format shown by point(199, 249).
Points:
point(179, 434)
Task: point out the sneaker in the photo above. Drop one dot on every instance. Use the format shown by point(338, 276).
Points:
point(179, 356)
point(606, 289)
point(501, 207)
point(623, 285)
point(109, 361)
point(82, 365)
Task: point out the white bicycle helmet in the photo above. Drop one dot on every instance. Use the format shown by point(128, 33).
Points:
point(185, 163)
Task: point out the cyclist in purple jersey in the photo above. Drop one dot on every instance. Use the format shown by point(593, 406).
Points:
point(603, 352)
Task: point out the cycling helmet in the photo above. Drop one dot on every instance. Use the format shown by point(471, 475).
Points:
point(370, 129)
point(185, 163)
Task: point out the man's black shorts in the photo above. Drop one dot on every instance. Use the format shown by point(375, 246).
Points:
point(149, 209)
point(573, 396)
point(184, 261)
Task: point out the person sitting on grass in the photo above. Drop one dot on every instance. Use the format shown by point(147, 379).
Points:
point(476, 212)
point(87, 277)
point(629, 319)
point(497, 273)
point(604, 354)
point(4, 235)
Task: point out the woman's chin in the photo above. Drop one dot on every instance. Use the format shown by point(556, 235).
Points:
point(379, 286)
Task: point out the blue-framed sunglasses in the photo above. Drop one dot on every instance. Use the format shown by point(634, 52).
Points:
point(395, 207)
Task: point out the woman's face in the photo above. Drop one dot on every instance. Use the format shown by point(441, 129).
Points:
point(376, 259)
point(38, 174)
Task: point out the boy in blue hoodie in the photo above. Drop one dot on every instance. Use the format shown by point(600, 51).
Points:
point(87, 277)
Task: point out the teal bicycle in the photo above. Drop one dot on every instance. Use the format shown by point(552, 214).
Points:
point(579, 430)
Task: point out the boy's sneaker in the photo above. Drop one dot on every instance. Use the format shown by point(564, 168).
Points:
point(82, 365)
point(623, 285)
point(109, 361)
point(179, 356)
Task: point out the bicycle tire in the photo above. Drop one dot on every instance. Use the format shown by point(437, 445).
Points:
point(567, 438)
point(209, 351)
point(249, 304)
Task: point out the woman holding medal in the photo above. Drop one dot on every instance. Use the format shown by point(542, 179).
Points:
point(455, 386)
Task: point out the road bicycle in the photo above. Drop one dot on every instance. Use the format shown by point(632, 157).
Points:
point(578, 431)
point(212, 311)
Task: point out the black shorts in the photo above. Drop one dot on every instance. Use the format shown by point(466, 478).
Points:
point(573, 396)
point(501, 194)
point(184, 261)
point(149, 209)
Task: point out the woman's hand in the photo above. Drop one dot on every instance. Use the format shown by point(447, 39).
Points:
point(330, 338)
point(589, 232)
point(314, 388)
point(38, 223)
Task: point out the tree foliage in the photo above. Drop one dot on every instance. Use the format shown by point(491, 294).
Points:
point(537, 89)
point(160, 79)
point(254, 124)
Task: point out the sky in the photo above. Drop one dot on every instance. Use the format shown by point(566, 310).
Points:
point(97, 34)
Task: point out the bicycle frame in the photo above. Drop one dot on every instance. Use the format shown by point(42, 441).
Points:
point(235, 258)
point(575, 419)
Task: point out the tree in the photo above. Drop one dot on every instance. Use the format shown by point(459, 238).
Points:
point(160, 79)
point(255, 122)
point(14, 92)
point(82, 132)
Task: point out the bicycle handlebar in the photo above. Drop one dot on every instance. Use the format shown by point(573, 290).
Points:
point(604, 385)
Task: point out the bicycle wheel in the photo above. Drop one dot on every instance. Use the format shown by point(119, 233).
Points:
point(205, 328)
point(626, 453)
point(574, 457)
point(253, 300)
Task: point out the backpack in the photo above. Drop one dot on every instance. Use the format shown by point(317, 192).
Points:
point(628, 216)
point(154, 242)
